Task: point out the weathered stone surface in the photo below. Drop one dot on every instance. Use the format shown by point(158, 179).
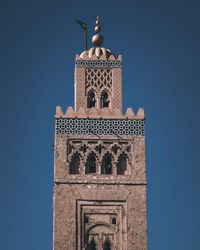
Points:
point(127, 203)
point(99, 178)
point(103, 193)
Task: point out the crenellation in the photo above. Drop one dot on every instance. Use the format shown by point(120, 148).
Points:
point(115, 113)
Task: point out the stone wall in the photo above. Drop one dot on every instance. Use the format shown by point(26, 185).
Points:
point(121, 196)
point(99, 162)
point(68, 225)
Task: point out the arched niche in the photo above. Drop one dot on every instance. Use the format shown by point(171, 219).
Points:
point(74, 165)
point(122, 164)
point(90, 166)
point(106, 167)
point(91, 99)
point(104, 99)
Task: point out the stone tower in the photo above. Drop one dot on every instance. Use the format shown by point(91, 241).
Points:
point(99, 167)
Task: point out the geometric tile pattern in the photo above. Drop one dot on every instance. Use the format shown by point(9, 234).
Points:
point(78, 126)
point(98, 63)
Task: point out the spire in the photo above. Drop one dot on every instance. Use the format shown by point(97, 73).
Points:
point(97, 39)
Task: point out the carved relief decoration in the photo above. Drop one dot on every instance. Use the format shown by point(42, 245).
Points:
point(98, 78)
point(107, 154)
point(97, 227)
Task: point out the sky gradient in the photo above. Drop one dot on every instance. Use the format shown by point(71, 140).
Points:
point(160, 45)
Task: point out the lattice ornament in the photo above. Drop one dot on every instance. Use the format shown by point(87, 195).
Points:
point(99, 127)
point(98, 78)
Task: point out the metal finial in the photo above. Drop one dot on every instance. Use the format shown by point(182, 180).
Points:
point(97, 39)
point(84, 26)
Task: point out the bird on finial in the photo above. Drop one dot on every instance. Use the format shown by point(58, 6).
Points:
point(97, 39)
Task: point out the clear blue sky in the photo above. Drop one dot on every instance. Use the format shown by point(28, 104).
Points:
point(160, 45)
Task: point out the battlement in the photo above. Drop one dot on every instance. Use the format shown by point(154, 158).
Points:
point(99, 113)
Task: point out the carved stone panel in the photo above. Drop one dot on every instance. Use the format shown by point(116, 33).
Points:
point(101, 225)
point(99, 156)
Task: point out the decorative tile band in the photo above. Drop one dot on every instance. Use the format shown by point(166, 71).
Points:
point(98, 63)
point(99, 127)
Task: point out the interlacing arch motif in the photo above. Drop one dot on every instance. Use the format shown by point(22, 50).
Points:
point(105, 90)
point(99, 147)
point(106, 151)
point(75, 151)
point(115, 148)
point(91, 88)
point(103, 155)
point(124, 152)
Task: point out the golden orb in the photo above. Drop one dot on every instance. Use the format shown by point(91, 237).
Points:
point(97, 39)
point(97, 29)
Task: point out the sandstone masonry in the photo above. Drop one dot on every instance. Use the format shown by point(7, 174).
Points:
point(99, 166)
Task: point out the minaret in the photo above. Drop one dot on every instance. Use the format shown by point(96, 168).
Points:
point(99, 167)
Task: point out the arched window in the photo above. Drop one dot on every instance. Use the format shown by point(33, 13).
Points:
point(91, 164)
point(114, 221)
point(104, 103)
point(92, 245)
point(122, 164)
point(74, 165)
point(106, 167)
point(91, 99)
point(106, 245)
